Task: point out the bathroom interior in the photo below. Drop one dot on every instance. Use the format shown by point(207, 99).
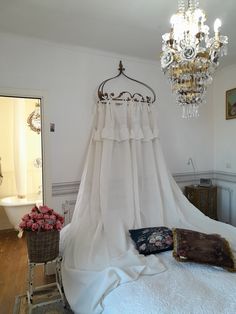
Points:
point(21, 175)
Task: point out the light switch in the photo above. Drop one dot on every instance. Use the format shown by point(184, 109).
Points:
point(52, 127)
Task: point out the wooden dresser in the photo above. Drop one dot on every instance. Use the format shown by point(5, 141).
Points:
point(204, 198)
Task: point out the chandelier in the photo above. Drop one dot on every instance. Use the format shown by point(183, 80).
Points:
point(190, 56)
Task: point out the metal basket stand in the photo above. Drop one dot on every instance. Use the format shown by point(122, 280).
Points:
point(57, 284)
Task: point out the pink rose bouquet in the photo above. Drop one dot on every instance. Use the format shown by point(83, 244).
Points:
point(41, 218)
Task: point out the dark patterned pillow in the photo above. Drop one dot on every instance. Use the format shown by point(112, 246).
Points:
point(204, 248)
point(152, 240)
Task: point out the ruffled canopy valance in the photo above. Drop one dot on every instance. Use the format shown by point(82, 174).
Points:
point(124, 120)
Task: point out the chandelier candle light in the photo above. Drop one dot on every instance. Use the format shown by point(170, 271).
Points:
point(190, 56)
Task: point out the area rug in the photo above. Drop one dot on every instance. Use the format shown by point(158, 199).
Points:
point(21, 307)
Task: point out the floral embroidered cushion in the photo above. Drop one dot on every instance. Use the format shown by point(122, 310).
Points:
point(204, 248)
point(152, 240)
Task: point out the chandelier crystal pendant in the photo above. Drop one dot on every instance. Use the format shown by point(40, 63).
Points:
point(190, 56)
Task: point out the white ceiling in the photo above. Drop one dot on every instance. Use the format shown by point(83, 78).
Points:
point(130, 27)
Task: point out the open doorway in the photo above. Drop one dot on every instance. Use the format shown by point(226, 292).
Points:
point(21, 158)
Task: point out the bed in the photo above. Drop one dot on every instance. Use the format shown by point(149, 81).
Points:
point(180, 288)
point(184, 288)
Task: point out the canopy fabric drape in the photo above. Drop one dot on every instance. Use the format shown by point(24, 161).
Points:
point(125, 185)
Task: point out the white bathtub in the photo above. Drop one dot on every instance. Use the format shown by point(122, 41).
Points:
point(16, 208)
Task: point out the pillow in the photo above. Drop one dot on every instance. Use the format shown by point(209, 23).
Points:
point(203, 248)
point(152, 240)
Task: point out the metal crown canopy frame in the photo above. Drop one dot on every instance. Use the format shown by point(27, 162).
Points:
point(125, 95)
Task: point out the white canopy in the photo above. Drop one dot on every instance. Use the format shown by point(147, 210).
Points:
point(125, 185)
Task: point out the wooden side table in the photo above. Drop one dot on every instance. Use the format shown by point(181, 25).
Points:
point(55, 286)
point(204, 198)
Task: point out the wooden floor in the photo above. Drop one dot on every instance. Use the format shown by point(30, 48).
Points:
point(13, 270)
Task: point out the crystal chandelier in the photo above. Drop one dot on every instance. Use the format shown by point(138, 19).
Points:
point(190, 56)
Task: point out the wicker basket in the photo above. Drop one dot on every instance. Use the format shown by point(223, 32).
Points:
point(42, 246)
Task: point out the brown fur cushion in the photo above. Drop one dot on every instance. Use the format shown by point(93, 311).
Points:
point(204, 248)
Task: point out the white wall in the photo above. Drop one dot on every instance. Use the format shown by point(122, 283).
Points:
point(183, 138)
point(224, 130)
point(224, 143)
point(69, 76)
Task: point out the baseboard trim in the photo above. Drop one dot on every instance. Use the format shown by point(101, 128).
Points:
point(65, 188)
point(2, 231)
point(192, 176)
point(225, 176)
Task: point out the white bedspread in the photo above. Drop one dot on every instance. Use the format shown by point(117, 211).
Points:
point(184, 288)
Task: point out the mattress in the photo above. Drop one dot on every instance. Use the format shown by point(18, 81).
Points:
point(184, 288)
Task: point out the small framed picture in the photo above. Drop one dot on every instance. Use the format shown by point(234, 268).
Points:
point(230, 104)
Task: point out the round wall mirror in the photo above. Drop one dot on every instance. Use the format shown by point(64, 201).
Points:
point(34, 119)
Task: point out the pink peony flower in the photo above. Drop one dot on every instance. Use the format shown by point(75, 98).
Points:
point(42, 219)
point(40, 222)
point(48, 227)
point(33, 215)
point(44, 209)
point(53, 217)
point(34, 209)
point(61, 219)
point(26, 217)
point(40, 216)
point(22, 225)
point(58, 225)
point(35, 227)
point(29, 223)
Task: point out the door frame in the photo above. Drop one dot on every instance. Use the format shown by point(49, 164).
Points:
point(45, 134)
